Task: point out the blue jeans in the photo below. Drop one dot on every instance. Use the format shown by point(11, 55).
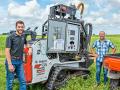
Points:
point(98, 71)
point(20, 74)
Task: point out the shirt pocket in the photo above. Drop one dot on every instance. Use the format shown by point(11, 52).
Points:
point(99, 47)
point(105, 46)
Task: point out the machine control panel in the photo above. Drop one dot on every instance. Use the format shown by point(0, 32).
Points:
point(72, 39)
point(63, 37)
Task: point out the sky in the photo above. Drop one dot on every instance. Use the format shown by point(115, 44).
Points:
point(103, 14)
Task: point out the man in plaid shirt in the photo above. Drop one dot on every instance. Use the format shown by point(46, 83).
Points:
point(101, 47)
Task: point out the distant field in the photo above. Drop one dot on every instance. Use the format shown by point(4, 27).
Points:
point(76, 83)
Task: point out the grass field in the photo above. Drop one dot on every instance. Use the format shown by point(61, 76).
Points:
point(76, 83)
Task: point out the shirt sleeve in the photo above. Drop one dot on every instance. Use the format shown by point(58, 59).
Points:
point(111, 45)
point(8, 42)
point(94, 44)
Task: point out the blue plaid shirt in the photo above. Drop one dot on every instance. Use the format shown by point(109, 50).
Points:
point(102, 48)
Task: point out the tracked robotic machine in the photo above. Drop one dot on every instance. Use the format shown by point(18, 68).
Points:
point(62, 52)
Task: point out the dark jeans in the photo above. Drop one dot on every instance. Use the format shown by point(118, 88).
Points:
point(20, 74)
point(98, 71)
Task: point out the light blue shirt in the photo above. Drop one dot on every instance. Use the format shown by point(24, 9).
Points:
point(102, 48)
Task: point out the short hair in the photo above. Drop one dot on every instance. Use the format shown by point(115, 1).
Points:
point(102, 31)
point(19, 22)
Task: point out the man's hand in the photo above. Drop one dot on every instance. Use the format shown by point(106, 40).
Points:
point(113, 50)
point(11, 68)
point(30, 51)
point(8, 56)
point(94, 55)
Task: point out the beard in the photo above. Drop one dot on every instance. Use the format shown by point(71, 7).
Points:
point(102, 38)
point(20, 31)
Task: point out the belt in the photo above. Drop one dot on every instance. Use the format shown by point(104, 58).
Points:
point(16, 57)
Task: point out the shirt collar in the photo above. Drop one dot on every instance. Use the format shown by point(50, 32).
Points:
point(103, 41)
point(17, 35)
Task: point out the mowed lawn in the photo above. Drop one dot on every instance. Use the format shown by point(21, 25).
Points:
point(76, 83)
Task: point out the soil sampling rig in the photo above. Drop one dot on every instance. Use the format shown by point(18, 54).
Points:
point(64, 51)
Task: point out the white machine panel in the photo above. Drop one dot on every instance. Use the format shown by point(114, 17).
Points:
point(56, 34)
point(40, 59)
point(72, 40)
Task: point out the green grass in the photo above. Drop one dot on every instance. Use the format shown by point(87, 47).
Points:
point(76, 83)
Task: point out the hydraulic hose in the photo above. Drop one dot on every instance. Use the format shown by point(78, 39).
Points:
point(80, 7)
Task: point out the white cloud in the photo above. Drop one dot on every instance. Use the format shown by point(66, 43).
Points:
point(27, 10)
point(115, 3)
point(102, 12)
point(116, 15)
point(35, 15)
point(101, 20)
point(96, 14)
point(96, 21)
point(68, 2)
point(115, 19)
point(2, 12)
point(31, 13)
point(99, 3)
point(3, 19)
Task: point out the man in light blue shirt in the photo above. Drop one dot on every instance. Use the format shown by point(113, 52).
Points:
point(101, 47)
